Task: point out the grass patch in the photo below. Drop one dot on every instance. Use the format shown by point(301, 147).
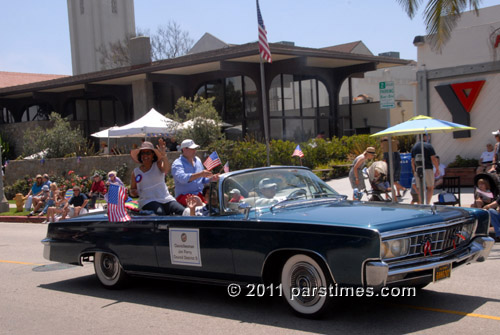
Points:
point(13, 212)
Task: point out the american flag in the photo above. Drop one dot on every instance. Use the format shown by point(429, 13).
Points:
point(297, 152)
point(226, 167)
point(264, 50)
point(212, 161)
point(116, 204)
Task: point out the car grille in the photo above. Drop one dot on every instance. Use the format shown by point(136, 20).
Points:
point(435, 241)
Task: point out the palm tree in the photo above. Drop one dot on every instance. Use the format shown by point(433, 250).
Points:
point(440, 17)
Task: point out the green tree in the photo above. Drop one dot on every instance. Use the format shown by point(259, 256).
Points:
point(59, 141)
point(206, 121)
point(440, 17)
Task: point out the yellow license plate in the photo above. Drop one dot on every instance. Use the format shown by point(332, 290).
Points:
point(442, 272)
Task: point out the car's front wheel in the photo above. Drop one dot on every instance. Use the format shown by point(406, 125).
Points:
point(108, 270)
point(304, 286)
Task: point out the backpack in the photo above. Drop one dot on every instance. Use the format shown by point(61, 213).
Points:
point(447, 197)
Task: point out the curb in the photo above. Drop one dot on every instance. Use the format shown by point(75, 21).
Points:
point(22, 219)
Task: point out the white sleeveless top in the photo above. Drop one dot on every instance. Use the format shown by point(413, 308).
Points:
point(151, 186)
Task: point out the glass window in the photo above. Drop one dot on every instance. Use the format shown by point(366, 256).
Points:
point(254, 128)
point(291, 95)
point(293, 130)
point(275, 98)
point(251, 98)
point(308, 129)
point(234, 100)
point(324, 100)
point(276, 131)
point(201, 91)
point(309, 97)
point(216, 89)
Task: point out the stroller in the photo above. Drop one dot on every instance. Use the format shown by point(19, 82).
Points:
point(377, 175)
point(493, 179)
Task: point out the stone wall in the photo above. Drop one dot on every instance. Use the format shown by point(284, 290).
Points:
point(60, 166)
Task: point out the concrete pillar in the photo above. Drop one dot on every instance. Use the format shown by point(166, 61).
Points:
point(422, 93)
point(140, 50)
point(142, 92)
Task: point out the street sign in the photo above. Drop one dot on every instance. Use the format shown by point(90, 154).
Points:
point(386, 89)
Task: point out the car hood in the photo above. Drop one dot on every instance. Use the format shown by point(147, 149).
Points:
point(372, 215)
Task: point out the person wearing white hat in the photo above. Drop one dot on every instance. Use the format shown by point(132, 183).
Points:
point(148, 180)
point(267, 188)
point(189, 174)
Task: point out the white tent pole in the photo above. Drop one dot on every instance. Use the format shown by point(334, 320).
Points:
point(423, 169)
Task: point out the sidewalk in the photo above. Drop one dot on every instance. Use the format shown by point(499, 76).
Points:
point(343, 186)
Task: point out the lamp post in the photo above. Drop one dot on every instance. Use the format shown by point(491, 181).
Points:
point(4, 205)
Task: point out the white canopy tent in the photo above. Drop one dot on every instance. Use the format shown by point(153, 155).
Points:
point(105, 133)
point(150, 125)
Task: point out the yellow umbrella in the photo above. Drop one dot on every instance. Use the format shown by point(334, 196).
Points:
point(421, 124)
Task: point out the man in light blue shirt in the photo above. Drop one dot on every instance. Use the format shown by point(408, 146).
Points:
point(189, 174)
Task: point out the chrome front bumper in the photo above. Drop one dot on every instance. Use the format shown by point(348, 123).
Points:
point(379, 273)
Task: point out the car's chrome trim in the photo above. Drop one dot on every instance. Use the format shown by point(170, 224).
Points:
point(183, 278)
point(438, 225)
point(376, 273)
point(477, 251)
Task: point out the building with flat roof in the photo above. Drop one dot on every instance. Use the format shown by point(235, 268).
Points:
point(461, 83)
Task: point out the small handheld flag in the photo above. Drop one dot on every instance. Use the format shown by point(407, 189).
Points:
point(212, 161)
point(297, 152)
point(226, 167)
point(116, 204)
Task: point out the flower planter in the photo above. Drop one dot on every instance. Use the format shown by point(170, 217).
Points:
point(466, 174)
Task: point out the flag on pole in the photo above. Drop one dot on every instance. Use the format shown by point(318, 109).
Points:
point(226, 167)
point(212, 161)
point(297, 152)
point(116, 204)
point(264, 50)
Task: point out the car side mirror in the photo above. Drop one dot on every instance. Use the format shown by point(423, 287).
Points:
point(243, 206)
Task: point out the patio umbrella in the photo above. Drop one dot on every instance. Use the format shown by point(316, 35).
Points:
point(421, 124)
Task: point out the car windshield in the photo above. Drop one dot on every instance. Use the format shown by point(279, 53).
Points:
point(268, 187)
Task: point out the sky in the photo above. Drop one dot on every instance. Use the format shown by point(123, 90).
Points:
point(34, 34)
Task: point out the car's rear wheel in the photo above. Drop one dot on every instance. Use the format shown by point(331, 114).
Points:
point(304, 286)
point(108, 270)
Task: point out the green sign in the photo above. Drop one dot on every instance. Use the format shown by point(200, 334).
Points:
point(387, 95)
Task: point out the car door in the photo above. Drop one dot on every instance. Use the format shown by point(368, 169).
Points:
point(194, 246)
point(131, 241)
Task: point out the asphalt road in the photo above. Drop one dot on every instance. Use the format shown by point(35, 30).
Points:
point(40, 297)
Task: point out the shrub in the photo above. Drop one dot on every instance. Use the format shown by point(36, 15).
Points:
point(463, 162)
point(59, 141)
point(206, 121)
point(22, 186)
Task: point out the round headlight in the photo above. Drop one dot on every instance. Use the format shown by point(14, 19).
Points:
point(396, 248)
point(383, 249)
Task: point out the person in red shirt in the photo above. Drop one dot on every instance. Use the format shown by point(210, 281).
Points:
point(235, 195)
point(98, 189)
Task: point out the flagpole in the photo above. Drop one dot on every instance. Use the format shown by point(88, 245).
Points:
point(264, 107)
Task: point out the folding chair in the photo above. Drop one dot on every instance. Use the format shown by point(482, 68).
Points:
point(451, 185)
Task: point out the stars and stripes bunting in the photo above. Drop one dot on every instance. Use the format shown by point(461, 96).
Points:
point(264, 50)
point(116, 204)
point(298, 152)
point(212, 161)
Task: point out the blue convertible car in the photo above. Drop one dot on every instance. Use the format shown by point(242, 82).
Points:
point(280, 227)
